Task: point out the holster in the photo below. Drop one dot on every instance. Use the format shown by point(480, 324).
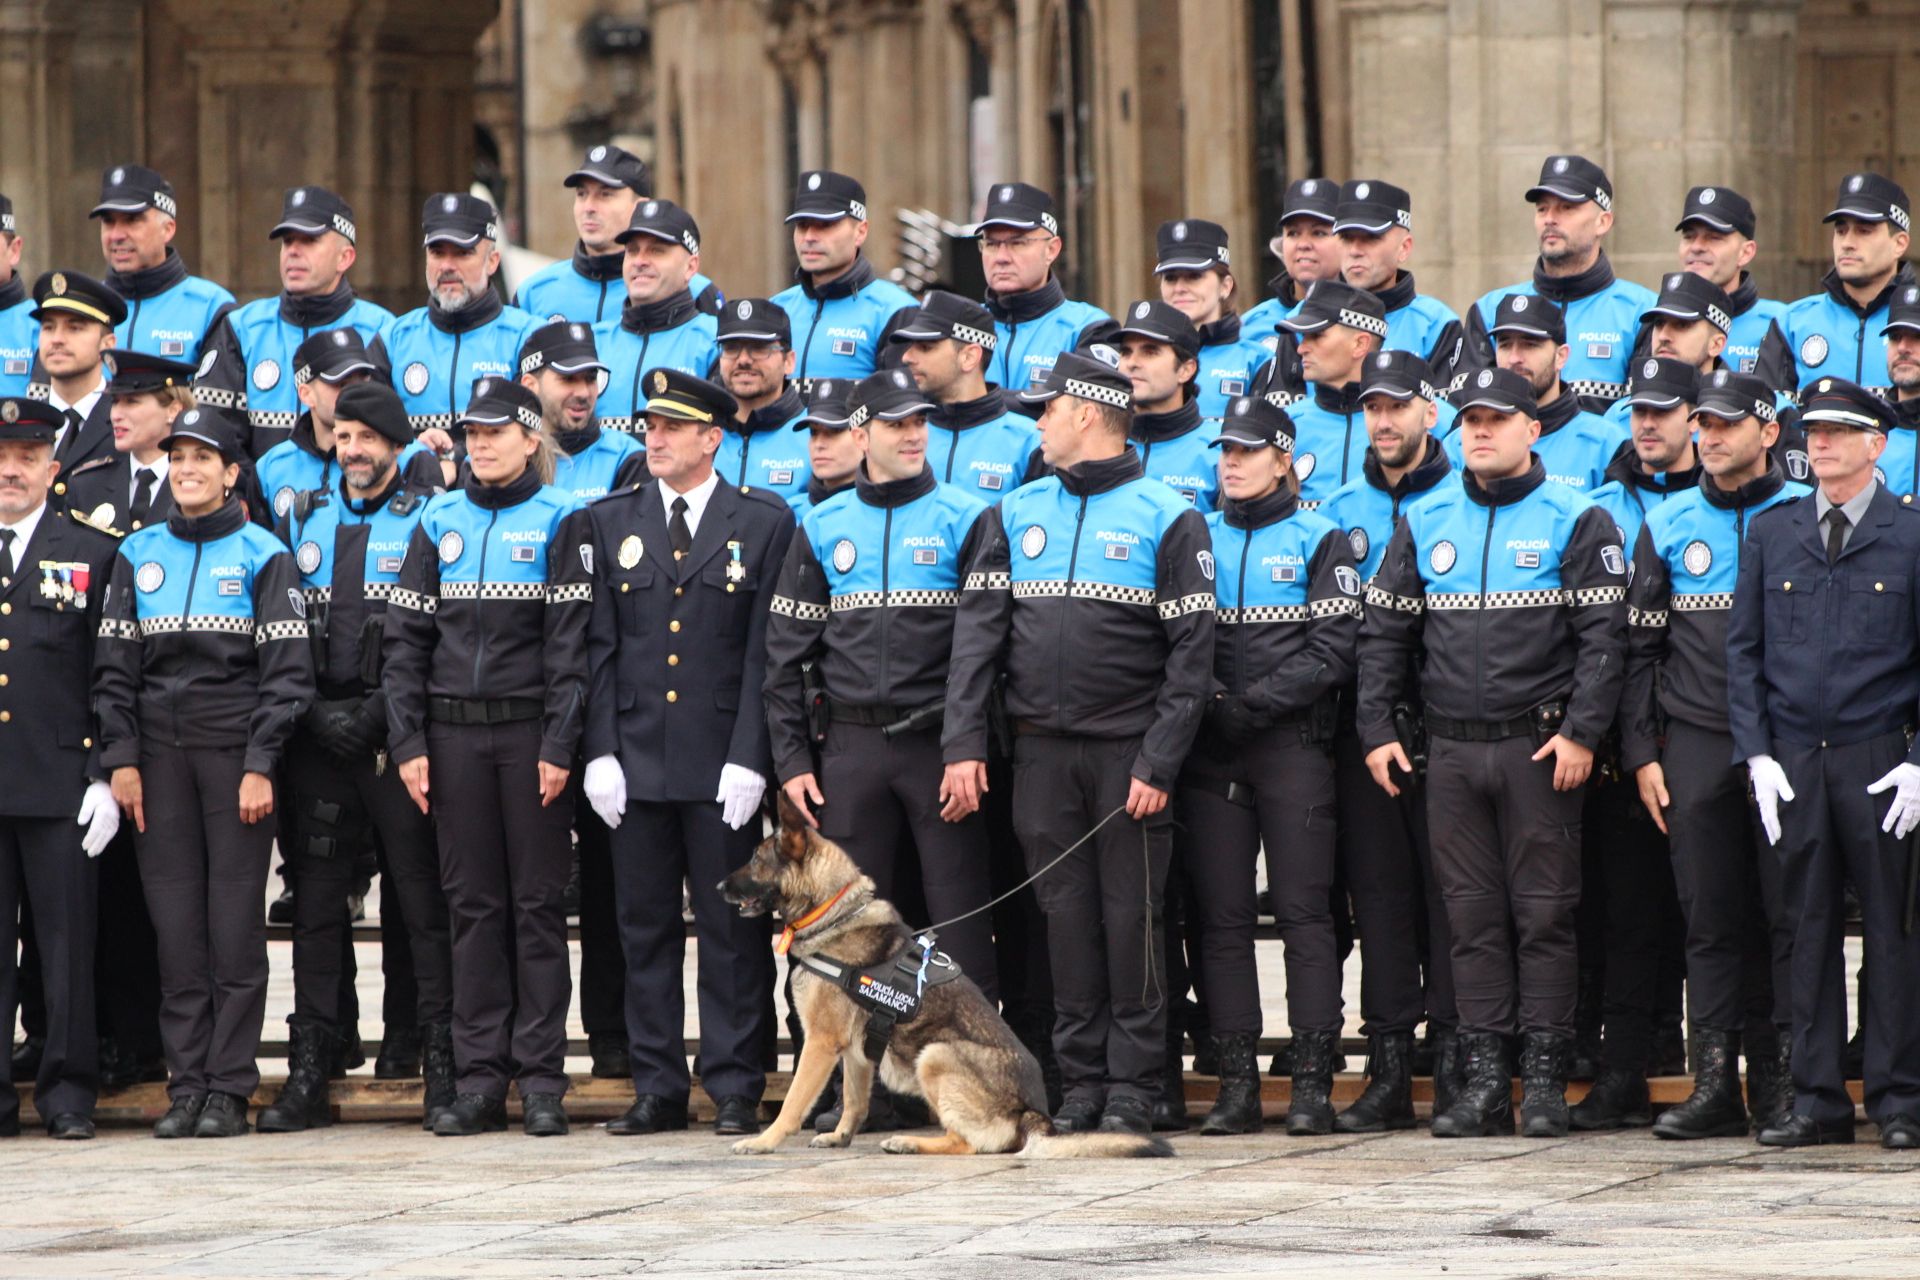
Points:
point(813, 697)
point(1411, 729)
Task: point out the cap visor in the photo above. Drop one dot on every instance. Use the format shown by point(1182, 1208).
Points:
point(334, 376)
point(1725, 409)
point(1489, 400)
point(1711, 221)
point(830, 214)
point(1305, 323)
point(1184, 264)
point(1391, 390)
point(119, 206)
point(1653, 400)
point(295, 225)
point(909, 333)
point(1511, 327)
point(1318, 215)
point(1229, 436)
point(1910, 326)
point(1152, 335)
point(196, 437)
point(1858, 215)
point(448, 237)
point(1564, 193)
point(1006, 220)
point(1671, 313)
point(75, 306)
point(1037, 395)
point(674, 409)
point(658, 233)
point(485, 418)
point(1358, 224)
point(749, 335)
point(899, 412)
point(809, 421)
point(598, 175)
point(577, 366)
point(1841, 418)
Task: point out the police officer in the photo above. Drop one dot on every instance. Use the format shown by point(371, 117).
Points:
point(1899, 466)
point(834, 452)
point(1823, 664)
point(1523, 579)
point(168, 311)
point(1385, 859)
point(659, 326)
point(977, 437)
point(560, 364)
point(1830, 332)
point(1374, 221)
point(348, 542)
point(677, 751)
point(1096, 559)
point(1305, 244)
point(146, 393)
point(248, 357)
point(485, 677)
point(1689, 322)
point(203, 667)
point(589, 288)
point(464, 332)
point(1572, 213)
point(1192, 265)
point(1575, 444)
point(1337, 327)
point(1032, 316)
point(19, 341)
point(756, 361)
point(53, 568)
point(841, 312)
point(1159, 351)
point(1716, 243)
point(77, 315)
point(1287, 615)
point(1674, 738)
point(1629, 922)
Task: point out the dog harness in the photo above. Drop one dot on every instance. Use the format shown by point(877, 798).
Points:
point(890, 992)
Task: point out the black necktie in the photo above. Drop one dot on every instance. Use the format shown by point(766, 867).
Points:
point(6, 554)
point(142, 497)
point(677, 530)
point(72, 433)
point(1837, 524)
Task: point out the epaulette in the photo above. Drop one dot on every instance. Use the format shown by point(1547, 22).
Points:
point(627, 492)
point(767, 496)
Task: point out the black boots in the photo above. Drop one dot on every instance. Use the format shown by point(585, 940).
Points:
point(1237, 1107)
point(1713, 1109)
point(1169, 1109)
point(436, 1065)
point(1770, 1078)
point(1449, 1067)
point(1387, 1102)
point(1310, 1112)
point(1617, 1100)
point(1483, 1106)
point(1544, 1060)
point(399, 1053)
point(303, 1102)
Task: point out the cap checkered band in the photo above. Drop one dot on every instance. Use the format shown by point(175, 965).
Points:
point(691, 241)
point(1364, 323)
point(857, 210)
point(6, 223)
point(1899, 217)
point(978, 337)
point(1221, 253)
point(492, 232)
point(164, 203)
point(1404, 218)
point(1763, 410)
point(858, 418)
point(1104, 395)
point(343, 225)
point(532, 361)
point(1052, 224)
point(1718, 318)
point(302, 375)
point(528, 418)
point(1602, 199)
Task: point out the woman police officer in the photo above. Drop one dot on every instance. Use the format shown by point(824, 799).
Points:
point(201, 670)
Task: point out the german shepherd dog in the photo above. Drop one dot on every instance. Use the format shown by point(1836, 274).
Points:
point(957, 1052)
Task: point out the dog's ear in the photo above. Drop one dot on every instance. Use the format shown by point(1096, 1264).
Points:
point(794, 832)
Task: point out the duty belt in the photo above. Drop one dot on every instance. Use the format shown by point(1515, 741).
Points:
point(483, 710)
point(1439, 726)
point(870, 715)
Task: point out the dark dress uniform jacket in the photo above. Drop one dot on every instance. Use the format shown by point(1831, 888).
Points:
point(102, 492)
point(678, 650)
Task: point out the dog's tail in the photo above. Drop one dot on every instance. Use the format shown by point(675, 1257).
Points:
point(1042, 1143)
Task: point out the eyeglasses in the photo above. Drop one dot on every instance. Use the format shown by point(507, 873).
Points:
point(990, 244)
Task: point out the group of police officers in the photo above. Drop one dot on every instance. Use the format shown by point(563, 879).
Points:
point(1565, 654)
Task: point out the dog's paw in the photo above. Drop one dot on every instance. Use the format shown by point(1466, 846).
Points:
point(899, 1145)
point(754, 1146)
point(828, 1140)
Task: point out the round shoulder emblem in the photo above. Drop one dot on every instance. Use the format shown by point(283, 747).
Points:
point(416, 377)
point(307, 557)
point(1033, 541)
point(1358, 540)
point(206, 363)
point(1347, 578)
point(844, 554)
point(150, 576)
point(283, 500)
point(266, 375)
point(1442, 556)
point(1650, 369)
point(1698, 557)
point(1814, 350)
point(1206, 564)
point(451, 545)
point(1303, 465)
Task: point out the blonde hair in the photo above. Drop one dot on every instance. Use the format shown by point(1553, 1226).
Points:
point(545, 457)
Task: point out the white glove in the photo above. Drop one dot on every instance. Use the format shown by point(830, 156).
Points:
point(606, 788)
point(100, 816)
point(739, 795)
point(1903, 815)
point(1770, 789)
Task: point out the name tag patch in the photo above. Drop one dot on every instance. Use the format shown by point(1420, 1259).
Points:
point(16, 366)
point(1599, 351)
point(231, 586)
point(525, 555)
point(173, 347)
point(1232, 387)
point(844, 346)
point(992, 480)
point(1117, 551)
point(926, 555)
point(1526, 559)
point(1285, 573)
point(779, 477)
point(389, 564)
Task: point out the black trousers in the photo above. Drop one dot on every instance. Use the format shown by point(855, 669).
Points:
point(603, 969)
point(337, 811)
point(1627, 873)
point(883, 798)
point(504, 861)
point(658, 848)
point(42, 856)
point(1022, 966)
point(1739, 940)
point(205, 873)
point(126, 975)
point(1386, 862)
point(1506, 850)
point(1287, 807)
point(1103, 906)
point(1830, 833)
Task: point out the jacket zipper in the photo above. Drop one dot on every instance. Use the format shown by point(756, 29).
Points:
point(1240, 627)
point(1066, 603)
point(133, 324)
point(599, 308)
point(1859, 348)
point(186, 611)
point(639, 366)
point(1480, 618)
point(479, 595)
point(746, 450)
point(806, 352)
point(1006, 359)
point(953, 449)
point(1346, 449)
point(886, 562)
point(453, 380)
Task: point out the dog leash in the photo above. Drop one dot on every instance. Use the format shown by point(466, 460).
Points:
point(935, 928)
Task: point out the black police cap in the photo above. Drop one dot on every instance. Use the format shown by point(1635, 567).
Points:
point(1734, 397)
point(1837, 402)
point(827, 405)
point(1373, 207)
point(1191, 244)
point(498, 402)
point(1870, 197)
point(75, 294)
point(1498, 389)
point(1903, 311)
point(888, 395)
point(133, 188)
point(454, 217)
point(1315, 198)
point(613, 167)
point(1721, 208)
point(663, 220)
point(754, 320)
point(376, 405)
point(1528, 314)
point(1334, 302)
point(135, 373)
point(1161, 322)
point(1022, 206)
point(948, 315)
point(672, 394)
point(1662, 383)
point(1686, 296)
point(1088, 377)
point(1573, 178)
point(203, 426)
point(1397, 375)
point(312, 211)
point(826, 196)
point(332, 355)
point(26, 419)
point(1256, 422)
point(564, 346)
